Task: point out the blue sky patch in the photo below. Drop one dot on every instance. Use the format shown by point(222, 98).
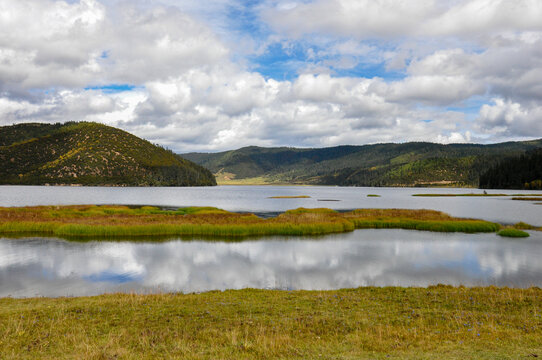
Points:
point(112, 88)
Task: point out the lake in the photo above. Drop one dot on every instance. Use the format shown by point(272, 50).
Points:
point(256, 199)
point(54, 267)
point(39, 266)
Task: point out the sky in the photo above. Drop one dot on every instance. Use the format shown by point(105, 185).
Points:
point(214, 75)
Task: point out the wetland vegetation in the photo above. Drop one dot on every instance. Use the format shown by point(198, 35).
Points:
point(112, 221)
point(535, 197)
point(513, 233)
point(290, 197)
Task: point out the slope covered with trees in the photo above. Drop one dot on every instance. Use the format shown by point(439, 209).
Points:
point(408, 164)
point(90, 154)
point(522, 172)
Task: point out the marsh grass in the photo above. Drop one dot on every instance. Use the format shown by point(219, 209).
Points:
point(373, 195)
point(513, 233)
point(440, 322)
point(290, 197)
point(480, 195)
point(454, 195)
point(524, 226)
point(526, 198)
point(123, 221)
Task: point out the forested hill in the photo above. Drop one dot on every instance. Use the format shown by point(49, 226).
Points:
point(408, 164)
point(90, 154)
point(523, 172)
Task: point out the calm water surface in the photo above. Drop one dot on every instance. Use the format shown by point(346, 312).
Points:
point(53, 267)
point(256, 198)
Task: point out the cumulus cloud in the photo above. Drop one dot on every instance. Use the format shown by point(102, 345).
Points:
point(391, 18)
point(191, 88)
point(57, 44)
point(511, 119)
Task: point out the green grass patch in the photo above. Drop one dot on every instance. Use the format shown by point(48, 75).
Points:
point(439, 322)
point(310, 211)
point(290, 197)
point(454, 195)
point(526, 198)
point(212, 230)
point(513, 233)
point(373, 195)
point(471, 226)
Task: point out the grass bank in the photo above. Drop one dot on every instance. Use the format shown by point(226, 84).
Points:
point(366, 323)
point(477, 195)
point(123, 221)
point(290, 197)
point(455, 195)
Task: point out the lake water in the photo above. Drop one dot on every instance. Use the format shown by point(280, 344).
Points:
point(256, 199)
point(55, 267)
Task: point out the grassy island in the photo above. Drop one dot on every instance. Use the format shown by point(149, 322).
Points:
point(480, 195)
point(459, 195)
point(110, 221)
point(513, 233)
point(440, 322)
point(290, 197)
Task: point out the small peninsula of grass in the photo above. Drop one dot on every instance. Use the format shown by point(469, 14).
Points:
point(373, 195)
point(124, 221)
point(454, 195)
point(290, 197)
point(513, 233)
point(438, 322)
point(526, 198)
point(520, 196)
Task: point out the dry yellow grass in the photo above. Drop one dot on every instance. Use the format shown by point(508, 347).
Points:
point(367, 323)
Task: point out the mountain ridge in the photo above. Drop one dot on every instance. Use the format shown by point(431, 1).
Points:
point(385, 164)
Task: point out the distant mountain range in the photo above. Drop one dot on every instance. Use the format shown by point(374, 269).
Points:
point(95, 154)
point(90, 154)
point(408, 164)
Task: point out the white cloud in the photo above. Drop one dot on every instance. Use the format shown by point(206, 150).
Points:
point(50, 43)
point(194, 93)
point(390, 18)
point(511, 119)
point(366, 18)
point(435, 89)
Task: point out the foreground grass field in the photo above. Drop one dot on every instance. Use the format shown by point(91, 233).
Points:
point(366, 323)
point(111, 221)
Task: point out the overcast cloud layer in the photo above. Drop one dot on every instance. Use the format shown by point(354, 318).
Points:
point(220, 74)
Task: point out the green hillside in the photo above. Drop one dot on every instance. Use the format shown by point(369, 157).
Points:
point(409, 164)
point(90, 154)
point(522, 172)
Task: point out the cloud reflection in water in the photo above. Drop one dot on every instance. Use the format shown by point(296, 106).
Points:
point(48, 267)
